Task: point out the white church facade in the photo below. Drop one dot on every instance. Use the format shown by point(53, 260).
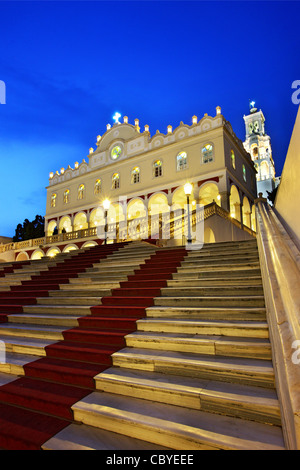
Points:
point(143, 177)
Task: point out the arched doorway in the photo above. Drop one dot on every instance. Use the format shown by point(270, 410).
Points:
point(80, 221)
point(209, 236)
point(65, 224)
point(37, 254)
point(246, 212)
point(23, 256)
point(51, 227)
point(235, 203)
point(208, 193)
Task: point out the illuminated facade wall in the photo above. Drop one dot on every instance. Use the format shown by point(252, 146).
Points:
point(143, 171)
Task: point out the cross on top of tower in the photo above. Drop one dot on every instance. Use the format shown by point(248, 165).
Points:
point(116, 117)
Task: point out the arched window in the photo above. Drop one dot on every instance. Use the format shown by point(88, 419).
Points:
point(157, 168)
point(232, 157)
point(255, 152)
point(81, 191)
point(135, 175)
point(207, 153)
point(244, 173)
point(115, 181)
point(264, 170)
point(97, 187)
point(67, 196)
point(53, 200)
point(181, 161)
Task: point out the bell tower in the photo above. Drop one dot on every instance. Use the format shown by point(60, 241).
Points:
point(258, 144)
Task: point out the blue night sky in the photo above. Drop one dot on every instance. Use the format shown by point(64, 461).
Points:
point(68, 66)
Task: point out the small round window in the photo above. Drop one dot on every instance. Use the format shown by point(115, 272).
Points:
point(116, 152)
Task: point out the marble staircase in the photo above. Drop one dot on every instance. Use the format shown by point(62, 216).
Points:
point(197, 371)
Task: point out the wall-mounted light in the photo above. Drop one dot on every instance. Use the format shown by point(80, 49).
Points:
point(194, 119)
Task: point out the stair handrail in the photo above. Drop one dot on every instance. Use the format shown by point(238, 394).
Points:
point(280, 267)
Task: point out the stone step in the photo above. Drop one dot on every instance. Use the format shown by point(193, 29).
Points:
point(246, 329)
point(213, 345)
point(81, 292)
point(220, 259)
point(81, 310)
point(19, 277)
point(25, 345)
point(83, 437)
point(206, 273)
point(216, 301)
point(71, 301)
point(220, 251)
point(173, 426)
point(244, 371)
point(66, 321)
point(9, 282)
point(15, 362)
point(97, 278)
point(191, 291)
point(215, 281)
point(218, 265)
point(102, 273)
point(32, 331)
point(208, 313)
point(115, 266)
point(89, 286)
point(241, 401)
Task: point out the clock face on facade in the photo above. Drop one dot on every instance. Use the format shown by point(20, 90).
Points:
point(116, 152)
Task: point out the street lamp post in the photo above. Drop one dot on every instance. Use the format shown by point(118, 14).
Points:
point(188, 188)
point(106, 205)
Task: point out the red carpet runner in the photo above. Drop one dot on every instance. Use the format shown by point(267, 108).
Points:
point(36, 407)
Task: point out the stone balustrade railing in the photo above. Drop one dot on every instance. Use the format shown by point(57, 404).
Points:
point(280, 266)
point(168, 225)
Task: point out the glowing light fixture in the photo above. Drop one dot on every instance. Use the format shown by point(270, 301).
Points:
point(188, 188)
point(106, 204)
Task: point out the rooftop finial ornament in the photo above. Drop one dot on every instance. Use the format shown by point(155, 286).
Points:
point(253, 109)
point(116, 118)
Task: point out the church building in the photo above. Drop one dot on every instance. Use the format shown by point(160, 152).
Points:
point(144, 176)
